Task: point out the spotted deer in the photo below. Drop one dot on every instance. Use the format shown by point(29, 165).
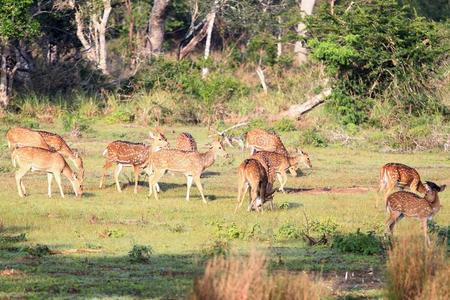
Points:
point(253, 177)
point(261, 140)
point(400, 204)
point(400, 175)
point(186, 142)
point(128, 154)
point(280, 164)
point(22, 137)
point(190, 164)
point(39, 159)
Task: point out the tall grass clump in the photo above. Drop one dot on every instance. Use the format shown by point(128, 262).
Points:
point(416, 271)
point(237, 277)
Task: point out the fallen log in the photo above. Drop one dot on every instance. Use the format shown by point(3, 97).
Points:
point(295, 111)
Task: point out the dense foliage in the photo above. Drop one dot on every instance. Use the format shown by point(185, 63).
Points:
point(377, 51)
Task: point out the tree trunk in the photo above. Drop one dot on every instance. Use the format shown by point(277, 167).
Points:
point(7, 72)
point(306, 7)
point(94, 44)
point(210, 21)
point(262, 79)
point(129, 7)
point(156, 26)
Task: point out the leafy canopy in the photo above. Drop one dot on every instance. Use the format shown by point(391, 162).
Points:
point(16, 21)
point(376, 50)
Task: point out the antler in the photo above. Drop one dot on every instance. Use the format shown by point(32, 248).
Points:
point(221, 133)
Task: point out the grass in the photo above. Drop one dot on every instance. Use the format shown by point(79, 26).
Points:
point(178, 232)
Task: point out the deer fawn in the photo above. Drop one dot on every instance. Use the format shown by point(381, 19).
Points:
point(190, 164)
point(262, 140)
point(126, 154)
point(24, 137)
point(395, 174)
point(280, 163)
point(186, 142)
point(32, 158)
point(253, 175)
point(400, 204)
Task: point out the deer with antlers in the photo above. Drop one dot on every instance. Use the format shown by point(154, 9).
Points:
point(281, 163)
point(186, 142)
point(128, 154)
point(400, 204)
point(24, 137)
point(400, 175)
point(39, 159)
point(190, 164)
point(254, 177)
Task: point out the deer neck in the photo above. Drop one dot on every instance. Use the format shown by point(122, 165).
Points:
point(67, 171)
point(421, 188)
point(208, 158)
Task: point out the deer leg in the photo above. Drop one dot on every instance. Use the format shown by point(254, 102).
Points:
point(49, 179)
point(108, 164)
point(116, 176)
point(391, 221)
point(58, 181)
point(153, 181)
point(253, 197)
point(242, 188)
point(189, 184)
point(23, 188)
point(198, 183)
point(425, 231)
point(136, 170)
point(19, 174)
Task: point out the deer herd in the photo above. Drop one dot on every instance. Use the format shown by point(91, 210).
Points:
point(269, 160)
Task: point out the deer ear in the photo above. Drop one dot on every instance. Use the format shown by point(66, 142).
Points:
point(442, 188)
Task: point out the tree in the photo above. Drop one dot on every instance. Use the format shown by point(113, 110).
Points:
point(156, 26)
point(306, 7)
point(16, 22)
point(91, 18)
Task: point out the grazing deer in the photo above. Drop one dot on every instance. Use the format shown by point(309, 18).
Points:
point(400, 204)
point(24, 137)
point(128, 154)
point(186, 142)
point(280, 163)
point(261, 140)
point(253, 175)
point(190, 164)
point(400, 175)
point(38, 159)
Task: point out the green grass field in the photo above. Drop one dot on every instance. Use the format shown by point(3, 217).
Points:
point(182, 233)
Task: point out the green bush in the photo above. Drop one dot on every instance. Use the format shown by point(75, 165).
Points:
point(219, 247)
point(400, 72)
point(38, 250)
point(72, 121)
point(284, 125)
point(287, 232)
point(313, 137)
point(359, 243)
point(140, 254)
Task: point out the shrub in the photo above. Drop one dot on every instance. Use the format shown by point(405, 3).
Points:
point(287, 232)
point(38, 250)
point(313, 137)
point(402, 72)
point(71, 121)
point(327, 227)
point(359, 243)
point(219, 247)
point(237, 277)
point(417, 271)
point(284, 125)
point(140, 253)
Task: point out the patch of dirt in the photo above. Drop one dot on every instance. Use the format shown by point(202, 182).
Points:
point(324, 190)
point(10, 273)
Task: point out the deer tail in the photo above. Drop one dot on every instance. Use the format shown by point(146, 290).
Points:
point(105, 152)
